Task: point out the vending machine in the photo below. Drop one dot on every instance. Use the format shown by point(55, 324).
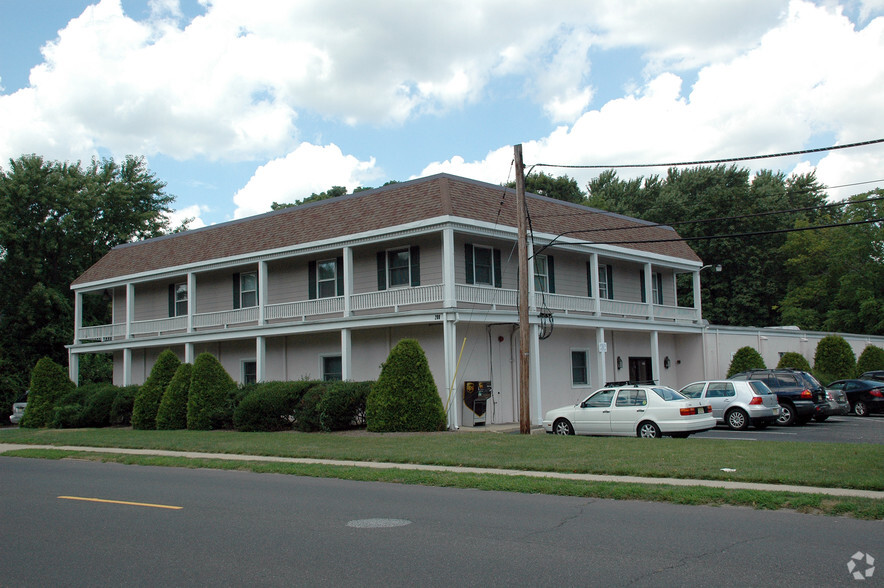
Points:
point(475, 397)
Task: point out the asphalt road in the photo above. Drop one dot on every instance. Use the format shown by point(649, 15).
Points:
point(835, 429)
point(238, 528)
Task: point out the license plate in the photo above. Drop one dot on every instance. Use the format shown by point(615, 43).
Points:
point(776, 411)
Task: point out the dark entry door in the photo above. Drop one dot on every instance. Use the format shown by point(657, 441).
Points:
point(640, 369)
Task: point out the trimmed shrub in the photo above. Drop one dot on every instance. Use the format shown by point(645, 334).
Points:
point(97, 405)
point(405, 397)
point(172, 413)
point(746, 358)
point(343, 405)
point(795, 361)
point(211, 398)
point(66, 416)
point(834, 359)
point(307, 409)
point(872, 358)
point(269, 406)
point(49, 383)
point(121, 408)
point(147, 401)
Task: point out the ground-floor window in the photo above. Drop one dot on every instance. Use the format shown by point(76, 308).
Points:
point(249, 372)
point(332, 367)
point(579, 367)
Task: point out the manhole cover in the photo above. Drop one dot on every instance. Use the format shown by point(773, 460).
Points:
point(378, 523)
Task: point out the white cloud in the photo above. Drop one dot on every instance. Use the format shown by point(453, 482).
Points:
point(188, 213)
point(306, 170)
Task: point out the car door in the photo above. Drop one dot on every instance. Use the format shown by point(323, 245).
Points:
point(628, 410)
point(719, 395)
point(593, 416)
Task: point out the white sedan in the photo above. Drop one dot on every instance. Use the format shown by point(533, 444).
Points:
point(643, 411)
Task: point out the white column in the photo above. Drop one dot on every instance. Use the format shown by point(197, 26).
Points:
point(649, 290)
point(601, 364)
point(449, 291)
point(262, 296)
point(127, 367)
point(346, 355)
point(452, 398)
point(697, 301)
point(348, 280)
point(188, 353)
point(78, 321)
point(655, 357)
point(191, 300)
point(594, 280)
point(534, 374)
point(130, 311)
point(532, 302)
point(260, 357)
point(74, 367)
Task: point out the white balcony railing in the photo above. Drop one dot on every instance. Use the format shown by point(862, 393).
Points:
point(394, 299)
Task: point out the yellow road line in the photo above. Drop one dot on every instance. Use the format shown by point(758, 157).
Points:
point(121, 502)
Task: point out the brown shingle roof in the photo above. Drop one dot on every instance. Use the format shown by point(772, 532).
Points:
point(392, 205)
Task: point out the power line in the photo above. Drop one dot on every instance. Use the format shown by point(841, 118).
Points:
point(714, 161)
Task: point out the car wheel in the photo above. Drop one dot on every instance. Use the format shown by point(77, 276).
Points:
point(562, 427)
point(860, 408)
point(648, 430)
point(787, 415)
point(820, 417)
point(737, 420)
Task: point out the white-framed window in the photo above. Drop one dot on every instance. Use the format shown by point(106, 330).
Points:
point(248, 289)
point(181, 299)
point(606, 281)
point(331, 367)
point(398, 267)
point(483, 265)
point(579, 367)
point(249, 371)
point(541, 273)
point(657, 287)
point(326, 278)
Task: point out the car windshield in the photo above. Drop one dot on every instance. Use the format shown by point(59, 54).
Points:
point(811, 380)
point(760, 387)
point(668, 394)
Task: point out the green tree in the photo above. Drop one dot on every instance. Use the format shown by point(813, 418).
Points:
point(795, 361)
point(560, 188)
point(405, 397)
point(872, 358)
point(49, 383)
point(147, 401)
point(172, 412)
point(834, 359)
point(56, 220)
point(746, 358)
point(210, 401)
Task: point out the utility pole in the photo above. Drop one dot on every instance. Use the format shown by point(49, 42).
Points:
point(524, 328)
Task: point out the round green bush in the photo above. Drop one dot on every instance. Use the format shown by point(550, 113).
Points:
point(405, 397)
point(307, 416)
point(343, 405)
point(746, 358)
point(872, 358)
point(795, 361)
point(49, 383)
point(834, 359)
point(67, 416)
point(99, 399)
point(211, 398)
point(269, 406)
point(172, 412)
point(121, 408)
point(147, 401)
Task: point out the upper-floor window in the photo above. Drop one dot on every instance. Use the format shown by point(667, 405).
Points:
point(178, 299)
point(245, 290)
point(399, 267)
point(606, 281)
point(326, 278)
point(544, 274)
point(483, 265)
point(656, 287)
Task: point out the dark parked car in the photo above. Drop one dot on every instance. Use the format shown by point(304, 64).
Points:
point(873, 375)
point(801, 397)
point(864, 396)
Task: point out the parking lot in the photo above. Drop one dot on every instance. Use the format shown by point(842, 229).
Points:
point(836, 429)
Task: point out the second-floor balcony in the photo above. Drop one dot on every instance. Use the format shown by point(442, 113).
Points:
point(466, 297)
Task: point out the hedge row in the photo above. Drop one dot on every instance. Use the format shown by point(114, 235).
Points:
point(302, 405)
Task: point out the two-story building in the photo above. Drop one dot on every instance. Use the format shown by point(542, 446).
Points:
point(326, 289)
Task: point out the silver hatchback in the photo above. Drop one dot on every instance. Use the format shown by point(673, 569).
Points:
point(737, 403)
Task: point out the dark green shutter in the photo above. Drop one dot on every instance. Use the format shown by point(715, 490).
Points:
point(498, 272)
point(468, 263)
point(414, 254)
point(589, 279)
point(171, 300)
point(311, 280)
point(339, 270)
point(236, 301)
point(609, 270)
point(551, 267)
point(382, 270)
point(641, 276)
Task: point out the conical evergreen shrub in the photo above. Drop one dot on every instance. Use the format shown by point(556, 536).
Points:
point(834, 359)
point(172, 413)
point(795, 361)
point(872, 358)
point(49, 383)
point(147, 401)
point(746, 358)
point(212, 390)
point(405, 397)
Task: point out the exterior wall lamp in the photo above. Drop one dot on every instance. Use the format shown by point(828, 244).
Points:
point(666, 362)
point(619, 363)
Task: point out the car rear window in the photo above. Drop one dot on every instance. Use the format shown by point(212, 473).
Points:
point(668, 394)
point(760, 387)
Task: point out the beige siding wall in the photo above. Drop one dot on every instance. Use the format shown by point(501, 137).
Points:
point(151, 301)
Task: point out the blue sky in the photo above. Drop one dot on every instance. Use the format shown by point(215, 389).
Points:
point(240, 104)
